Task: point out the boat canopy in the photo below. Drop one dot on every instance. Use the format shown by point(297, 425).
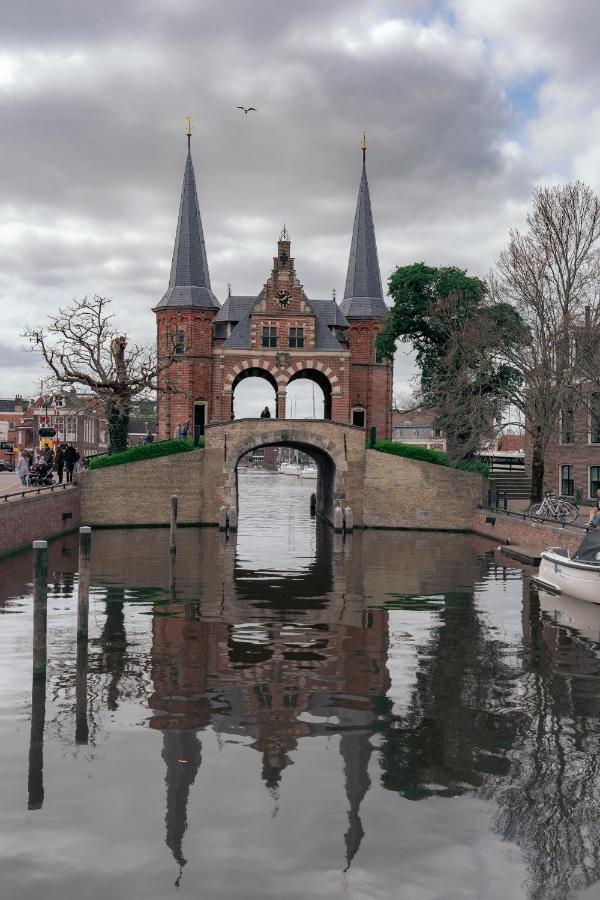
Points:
point(589, 549)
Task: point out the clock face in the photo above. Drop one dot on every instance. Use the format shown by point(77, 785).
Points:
point(283, 299)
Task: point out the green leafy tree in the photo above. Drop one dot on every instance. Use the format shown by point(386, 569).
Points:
point(460, 337)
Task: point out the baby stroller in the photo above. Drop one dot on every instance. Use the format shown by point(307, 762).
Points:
point(40, 474)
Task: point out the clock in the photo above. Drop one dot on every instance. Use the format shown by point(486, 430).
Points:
point(283, 299)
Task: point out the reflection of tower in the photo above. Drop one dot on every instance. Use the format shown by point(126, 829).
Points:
point(182, 753)
point(355, 748)
point(281, 664)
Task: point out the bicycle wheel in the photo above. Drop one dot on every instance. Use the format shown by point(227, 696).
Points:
point(567, 512)
point(537, 511)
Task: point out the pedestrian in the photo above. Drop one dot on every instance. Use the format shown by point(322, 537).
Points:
point(184, 430)
point(22, 469)
point(59, 461)
point(266, 413)
point(148, 437)
point(177, 432)
point(49, 456)
point(71, 457)
point(595, 513)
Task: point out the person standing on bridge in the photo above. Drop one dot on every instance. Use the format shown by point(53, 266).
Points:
point(71, 457)
point(22, 469)
point(59, 462)
point(266, 413)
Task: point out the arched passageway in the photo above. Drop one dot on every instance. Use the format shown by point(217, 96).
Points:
point(321, 393)
point(252, 391)
point(324, 486)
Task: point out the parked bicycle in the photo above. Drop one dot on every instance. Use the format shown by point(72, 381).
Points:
point(554, 507)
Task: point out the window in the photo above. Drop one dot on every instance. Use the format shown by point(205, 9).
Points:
point(358, 417)
point(269, 336)
point(567, 486)
point(378, 356)
point(595, 419)
point(179, 342)
point(594, 480)
point(296, 337)
point(567, 424)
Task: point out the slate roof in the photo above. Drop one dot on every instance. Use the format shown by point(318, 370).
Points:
point(189, 283)
point(239, 309)
point(234, 309)
point(7, 405)
point(363, 296)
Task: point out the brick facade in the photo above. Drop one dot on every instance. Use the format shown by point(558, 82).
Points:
point(37, 517)
point(574, 447)
point(206, 371)
point(279, 334)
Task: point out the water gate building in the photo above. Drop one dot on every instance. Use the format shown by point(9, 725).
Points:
point(277, 333)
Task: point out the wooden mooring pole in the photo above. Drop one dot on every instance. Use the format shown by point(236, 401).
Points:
point(35, 777)
point(40, 607)
point(173, 529)
point(83, 596)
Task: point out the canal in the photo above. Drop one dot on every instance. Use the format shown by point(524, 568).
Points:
point(287, 715)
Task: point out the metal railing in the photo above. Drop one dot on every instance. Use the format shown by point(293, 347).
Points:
point(36, 490)
point(497, 501)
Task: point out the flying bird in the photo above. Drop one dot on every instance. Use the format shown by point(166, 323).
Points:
point(247, 109)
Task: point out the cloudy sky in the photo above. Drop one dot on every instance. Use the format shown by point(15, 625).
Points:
point(467, 105)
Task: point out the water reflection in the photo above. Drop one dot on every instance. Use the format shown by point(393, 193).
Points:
point(407, 675)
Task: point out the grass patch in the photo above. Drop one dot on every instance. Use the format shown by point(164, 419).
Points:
point(435, 457)
point(144, 451)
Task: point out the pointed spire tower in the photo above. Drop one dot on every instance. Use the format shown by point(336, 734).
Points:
point(184, 321)
point(365, 309)
point(363, 296)
point(189, 284)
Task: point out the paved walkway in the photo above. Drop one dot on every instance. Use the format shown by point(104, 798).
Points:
point(10, 484)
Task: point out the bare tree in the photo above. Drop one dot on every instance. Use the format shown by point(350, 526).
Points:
point(81, 347)
point(550, 274)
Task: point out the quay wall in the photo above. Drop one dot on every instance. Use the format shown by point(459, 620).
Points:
point(139, 493)
point(523, 532)
point(38, 517)
point(407, 493)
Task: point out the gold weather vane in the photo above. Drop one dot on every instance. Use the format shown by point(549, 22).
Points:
point(188, 129)
point(363, 145)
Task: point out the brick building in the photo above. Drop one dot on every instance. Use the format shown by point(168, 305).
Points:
point(12, 411)
point(572, 458)
point(276, 333)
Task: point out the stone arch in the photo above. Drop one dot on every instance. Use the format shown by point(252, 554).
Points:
point(330, 459)
point(269, 374)
point(322, 376)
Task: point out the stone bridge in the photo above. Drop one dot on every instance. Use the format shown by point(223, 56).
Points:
point(383, 491)
point(338, 450)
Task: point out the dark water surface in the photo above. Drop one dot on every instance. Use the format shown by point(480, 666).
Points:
point(289, 716)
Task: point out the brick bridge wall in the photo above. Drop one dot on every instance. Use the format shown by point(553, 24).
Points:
point(383, 491)
point(524, 532)
point(37, 517)
point(139, 493)
point(406, 493)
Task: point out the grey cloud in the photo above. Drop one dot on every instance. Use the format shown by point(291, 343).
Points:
point(93, 147)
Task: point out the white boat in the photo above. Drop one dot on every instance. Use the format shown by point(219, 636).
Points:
point(576, 576)
point(290, 469)
point(308, 472)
